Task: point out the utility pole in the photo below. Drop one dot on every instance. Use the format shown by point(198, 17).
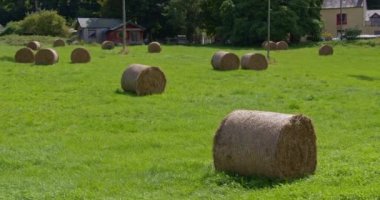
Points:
point(341, 21)
point(125, 50)
point(268, 36)
point(36, 9)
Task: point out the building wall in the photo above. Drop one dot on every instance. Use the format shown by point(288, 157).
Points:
point(355, 19)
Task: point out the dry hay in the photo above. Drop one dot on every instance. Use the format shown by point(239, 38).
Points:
point(59, 43)
point(46, 57)
point(143, 80)
point(108, 45)
point(223, 60)
point(274, 145)
point(255, 61)
point(154, 47)
point(272, 45)
point(80, 55)
point(326, 50)
point(34, 45)
point(282, 45)
point(24, 55)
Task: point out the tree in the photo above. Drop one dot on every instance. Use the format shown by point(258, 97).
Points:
point(245, 22)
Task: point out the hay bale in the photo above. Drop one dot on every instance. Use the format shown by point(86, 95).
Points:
point(272, 45)
point(34, 45)
point(108, 45)
point(46, 57)
point(274, 145)
point(59, 43)
point(154, 47)
point(255, 61)
point(282, 45)
point(223, 60)
point(24, 55)
point(143, 80)
point(80, 55)
point(326, 50)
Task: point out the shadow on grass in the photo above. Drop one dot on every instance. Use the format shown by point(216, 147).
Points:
point(234, 180)
point(121, 92)
point(365, 78)
point(7, 58)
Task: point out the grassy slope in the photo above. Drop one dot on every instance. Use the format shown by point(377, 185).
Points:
point(67, 132)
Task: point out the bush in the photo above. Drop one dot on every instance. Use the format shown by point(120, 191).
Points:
point(47, 23)
point(12, 28)
point(352, 33)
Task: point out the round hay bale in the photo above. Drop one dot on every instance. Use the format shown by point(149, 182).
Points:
point(143, 80)
point(108, 45)
point(46, 57)
point(282, 45)
point(154, 47)
point(272, 45)
point(24, 55)
point(274, 145)
point(59, 43)
point(255, 61)
point(80, 55)
point(326, 50)
point(223, 60)
point(34, 45)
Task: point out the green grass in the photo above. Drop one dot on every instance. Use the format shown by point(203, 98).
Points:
point(68, 133)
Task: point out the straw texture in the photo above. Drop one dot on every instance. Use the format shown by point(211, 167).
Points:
point(24, 55)
point(255, 61)
point(143, 80)
point(223, 60)
point(273, 145)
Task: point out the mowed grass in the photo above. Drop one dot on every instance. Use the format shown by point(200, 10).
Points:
point(68, 132)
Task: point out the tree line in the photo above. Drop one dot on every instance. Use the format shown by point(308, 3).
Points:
point(239, 22)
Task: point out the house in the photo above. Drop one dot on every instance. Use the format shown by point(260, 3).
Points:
point(355, 14)
point(101, 29)
point(135, 33)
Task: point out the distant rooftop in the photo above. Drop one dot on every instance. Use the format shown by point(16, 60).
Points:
point(345, 3)
point(370, 13)
point(98, 22)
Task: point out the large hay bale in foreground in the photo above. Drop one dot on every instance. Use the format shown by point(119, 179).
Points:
point(59, 43)
point(154, 47)
point(223, 60)
point(272, 45)
point(46, 57)
point(108, 45)
point(326, 50)
point(34, 45)
point(282, 45)
point(274, 145)
point(255, 61)
point(80, 55)
point(143, 80)
point(24, 55)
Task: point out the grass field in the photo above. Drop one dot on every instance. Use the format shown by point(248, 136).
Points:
point(68, 132)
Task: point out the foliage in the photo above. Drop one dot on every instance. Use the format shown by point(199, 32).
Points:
point(327, 36)
point(352, 33)
point(68, 132)
point(40, 23)
point(245, 22)
point(12, 28)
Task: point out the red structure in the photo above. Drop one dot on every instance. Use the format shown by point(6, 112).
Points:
point(135, 34)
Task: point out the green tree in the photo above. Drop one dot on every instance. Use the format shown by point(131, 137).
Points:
point(245, 22)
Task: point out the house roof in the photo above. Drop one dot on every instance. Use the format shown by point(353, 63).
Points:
point(98, 22)
point(371, 13)
point(127, 23)
point(345, 4)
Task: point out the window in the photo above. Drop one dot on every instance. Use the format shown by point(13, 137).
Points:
point(343, 19)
